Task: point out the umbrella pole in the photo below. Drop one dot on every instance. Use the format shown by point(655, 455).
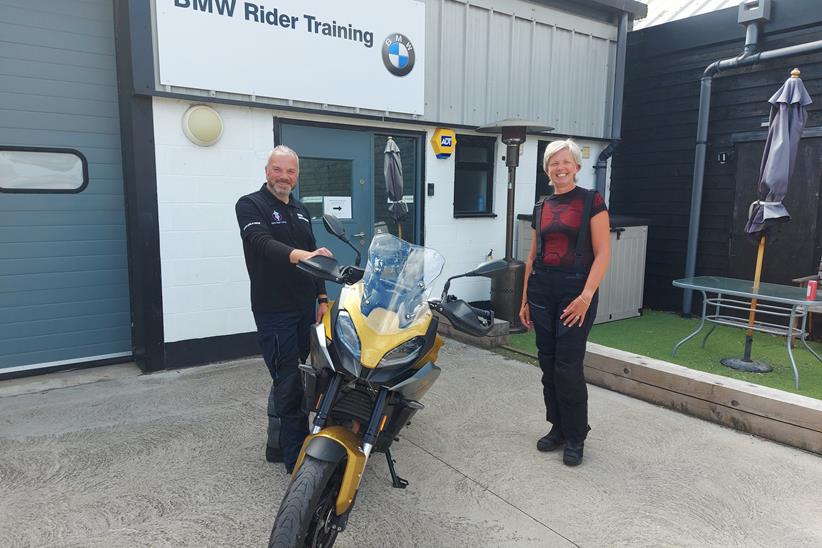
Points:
point(399, 230)
point(752, 314)
point(746, 363)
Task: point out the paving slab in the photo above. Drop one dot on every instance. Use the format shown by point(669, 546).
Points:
point(176, 459)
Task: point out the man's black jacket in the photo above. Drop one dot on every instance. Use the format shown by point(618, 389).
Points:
point(270, 230)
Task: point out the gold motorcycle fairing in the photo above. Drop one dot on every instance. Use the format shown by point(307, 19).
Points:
point(353, 468)
point(378, 344)
point(431, 355)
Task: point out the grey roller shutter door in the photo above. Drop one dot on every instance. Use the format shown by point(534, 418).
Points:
point(64, 294)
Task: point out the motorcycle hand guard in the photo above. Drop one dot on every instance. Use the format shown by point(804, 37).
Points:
point(327, 268)
point(466, 318)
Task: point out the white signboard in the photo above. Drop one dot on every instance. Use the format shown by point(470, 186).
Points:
point(364, 53)
point(338, 206)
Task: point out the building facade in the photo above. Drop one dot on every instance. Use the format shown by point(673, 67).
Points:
point(136, 254)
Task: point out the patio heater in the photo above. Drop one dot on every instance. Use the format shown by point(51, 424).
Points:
point(506, 286)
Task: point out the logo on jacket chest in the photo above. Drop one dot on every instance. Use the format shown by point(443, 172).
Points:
point(277, 218)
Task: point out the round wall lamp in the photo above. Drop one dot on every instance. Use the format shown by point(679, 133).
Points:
point(202, 125)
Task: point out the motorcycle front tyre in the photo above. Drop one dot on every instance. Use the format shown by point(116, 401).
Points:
point(300, 512)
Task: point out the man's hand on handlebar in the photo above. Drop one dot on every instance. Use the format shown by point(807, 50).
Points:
point(298, 255)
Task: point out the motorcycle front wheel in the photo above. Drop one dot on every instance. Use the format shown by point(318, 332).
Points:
point(307, 511)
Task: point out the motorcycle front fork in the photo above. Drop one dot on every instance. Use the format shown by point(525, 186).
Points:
point(371, 433)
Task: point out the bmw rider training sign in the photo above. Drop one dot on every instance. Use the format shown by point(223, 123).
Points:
point(367, 54)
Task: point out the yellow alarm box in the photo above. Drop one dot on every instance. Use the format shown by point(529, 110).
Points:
point(444, 142)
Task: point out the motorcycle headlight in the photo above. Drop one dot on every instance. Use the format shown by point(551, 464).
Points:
point(404, 353)
point(347, 335)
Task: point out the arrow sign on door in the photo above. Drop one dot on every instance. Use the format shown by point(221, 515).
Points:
point(339, 206)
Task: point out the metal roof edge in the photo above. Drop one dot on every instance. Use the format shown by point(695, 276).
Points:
point(637, 9)
point(609, 8)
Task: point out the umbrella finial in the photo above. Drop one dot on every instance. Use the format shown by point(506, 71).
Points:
point(795, 73)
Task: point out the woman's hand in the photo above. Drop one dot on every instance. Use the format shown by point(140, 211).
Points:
point(574, 313)
point(525, 315)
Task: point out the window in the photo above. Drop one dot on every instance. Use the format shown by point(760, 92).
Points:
point(474, 176)
point(321, 177)
point(26, 169)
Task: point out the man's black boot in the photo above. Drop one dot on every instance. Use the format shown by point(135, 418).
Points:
point(573, 453)
point(273, 454)
point(551, 441)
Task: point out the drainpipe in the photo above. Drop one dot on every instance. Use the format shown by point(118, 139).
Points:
point(616, 118)
point(747, 57)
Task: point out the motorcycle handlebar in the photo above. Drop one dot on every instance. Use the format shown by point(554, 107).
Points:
point(484, 314)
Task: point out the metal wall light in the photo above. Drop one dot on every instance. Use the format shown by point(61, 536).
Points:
point(202, 125)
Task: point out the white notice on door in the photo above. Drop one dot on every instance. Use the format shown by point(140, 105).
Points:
point(338, 206)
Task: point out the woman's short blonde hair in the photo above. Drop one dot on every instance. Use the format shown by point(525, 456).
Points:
point(555, 146)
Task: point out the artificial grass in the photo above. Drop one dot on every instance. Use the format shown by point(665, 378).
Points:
point(654, 334)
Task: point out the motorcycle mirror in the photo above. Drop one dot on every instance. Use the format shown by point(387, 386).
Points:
point(334, 226)
point(485, 269)
point(489, 268)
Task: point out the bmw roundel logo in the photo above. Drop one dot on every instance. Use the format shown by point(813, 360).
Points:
point(398, 54)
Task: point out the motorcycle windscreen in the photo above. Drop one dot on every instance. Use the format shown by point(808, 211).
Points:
point(397, 282)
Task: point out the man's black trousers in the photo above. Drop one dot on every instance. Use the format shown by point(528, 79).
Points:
point(284, 343)
point(561, 349)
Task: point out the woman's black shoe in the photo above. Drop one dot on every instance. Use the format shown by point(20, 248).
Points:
point(550, 442)
point(573, 454)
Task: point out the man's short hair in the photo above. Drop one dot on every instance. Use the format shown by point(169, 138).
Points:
point(282, 149)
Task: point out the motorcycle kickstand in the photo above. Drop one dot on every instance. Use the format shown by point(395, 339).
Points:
point(397, 481)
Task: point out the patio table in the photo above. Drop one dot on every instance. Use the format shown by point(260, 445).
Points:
point(774, 301)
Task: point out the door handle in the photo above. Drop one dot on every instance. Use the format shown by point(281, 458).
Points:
point(359, 235)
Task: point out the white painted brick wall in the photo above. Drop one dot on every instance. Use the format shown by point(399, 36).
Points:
point(205, 284)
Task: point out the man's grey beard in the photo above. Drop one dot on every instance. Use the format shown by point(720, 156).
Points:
point(283, 196)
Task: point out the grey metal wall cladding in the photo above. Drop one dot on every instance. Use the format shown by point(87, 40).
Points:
point(63, 262)
point(487, 61)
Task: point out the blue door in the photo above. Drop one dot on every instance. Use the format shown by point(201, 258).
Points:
point(64, 294)
point(335, 173)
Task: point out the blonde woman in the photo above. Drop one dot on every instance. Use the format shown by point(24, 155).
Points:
point(570, 251)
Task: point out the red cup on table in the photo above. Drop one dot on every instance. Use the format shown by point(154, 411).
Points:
point(810, 294)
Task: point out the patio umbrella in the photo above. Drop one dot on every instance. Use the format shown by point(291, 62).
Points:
point(787, 120)
point(392, 169)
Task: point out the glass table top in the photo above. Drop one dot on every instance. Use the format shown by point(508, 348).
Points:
point(744, 288)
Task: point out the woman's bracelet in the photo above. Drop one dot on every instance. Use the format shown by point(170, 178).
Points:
point(586, 301)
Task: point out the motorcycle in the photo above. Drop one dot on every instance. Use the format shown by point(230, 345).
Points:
point(372, 359)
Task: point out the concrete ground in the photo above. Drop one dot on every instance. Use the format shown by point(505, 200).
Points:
point(176, 459)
